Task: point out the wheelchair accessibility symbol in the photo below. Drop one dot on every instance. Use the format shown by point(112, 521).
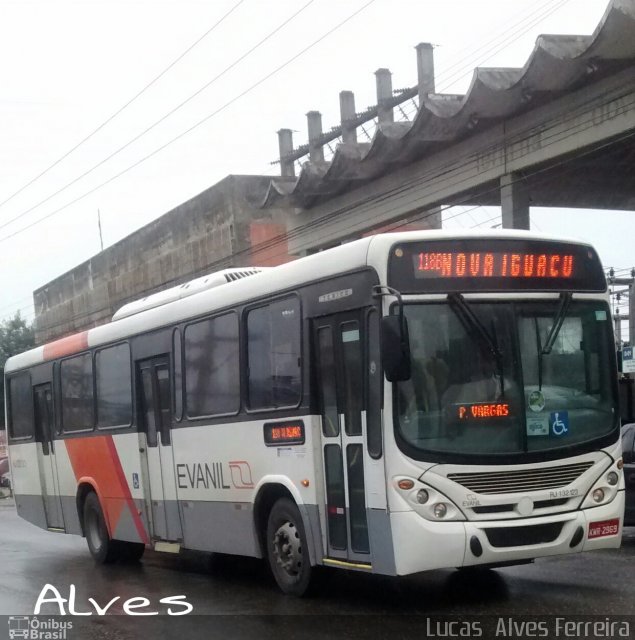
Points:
point(559, 423)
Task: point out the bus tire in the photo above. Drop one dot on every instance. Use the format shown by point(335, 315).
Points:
point(287, 549)
point(103, 549)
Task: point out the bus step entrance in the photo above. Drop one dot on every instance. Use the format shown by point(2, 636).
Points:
point(167, 547)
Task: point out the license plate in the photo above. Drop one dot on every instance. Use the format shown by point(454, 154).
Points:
point(604, 528)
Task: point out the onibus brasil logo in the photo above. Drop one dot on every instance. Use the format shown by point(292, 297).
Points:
point(34, 628)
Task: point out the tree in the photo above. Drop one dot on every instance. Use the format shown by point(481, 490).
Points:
point(15, 336)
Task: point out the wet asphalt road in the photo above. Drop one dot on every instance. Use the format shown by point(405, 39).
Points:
point(239, 595)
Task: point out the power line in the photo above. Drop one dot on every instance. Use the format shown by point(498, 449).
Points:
point(192, 96)
point(161, 119)
point(509, 37)
point(187, 100)
point(453, 165)
point(281, 240)
point(471, 54)
point(193, 127)
point(125, 105)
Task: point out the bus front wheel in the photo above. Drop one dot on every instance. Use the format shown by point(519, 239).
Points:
point(103, 549)
point(287, 550)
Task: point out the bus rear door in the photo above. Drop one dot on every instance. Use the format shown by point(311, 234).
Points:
point(44, 421)
point(154, 389)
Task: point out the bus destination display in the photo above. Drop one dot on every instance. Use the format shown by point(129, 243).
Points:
point(284, 433)
point(477, 411)
point(479, 264)
point(490, 264)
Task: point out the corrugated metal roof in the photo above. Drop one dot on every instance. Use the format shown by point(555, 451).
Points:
point(558, 63)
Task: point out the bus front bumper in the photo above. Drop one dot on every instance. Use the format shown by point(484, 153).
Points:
point(421, 545)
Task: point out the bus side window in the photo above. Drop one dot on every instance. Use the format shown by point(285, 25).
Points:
point(178, 376)
point(20, 397)
point(76, 375)
point(274, 355)
point(113, 384)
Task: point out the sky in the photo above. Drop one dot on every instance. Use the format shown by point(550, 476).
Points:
point(70, 66)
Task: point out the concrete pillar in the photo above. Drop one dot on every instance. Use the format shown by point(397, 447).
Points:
point(425, 69)
point(347, 116)
point(314, 123)
point(514, 202)
point(383, 79)
point(285, 145)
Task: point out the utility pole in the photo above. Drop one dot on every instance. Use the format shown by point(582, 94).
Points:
point(101, 239)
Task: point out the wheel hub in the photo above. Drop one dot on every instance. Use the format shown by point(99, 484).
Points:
point(287, 549)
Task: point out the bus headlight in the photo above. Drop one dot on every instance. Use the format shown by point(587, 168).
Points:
point(440, 510)
point(431, 504)
point(605, 488)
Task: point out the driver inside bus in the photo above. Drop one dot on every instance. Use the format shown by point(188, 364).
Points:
point(481, 382)
point(428, 380)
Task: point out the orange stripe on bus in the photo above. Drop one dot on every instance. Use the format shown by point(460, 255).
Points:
point(126, 490)
point(66, 346)
point(95, 460)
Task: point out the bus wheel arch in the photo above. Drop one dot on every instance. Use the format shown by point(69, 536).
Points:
point(267, 496)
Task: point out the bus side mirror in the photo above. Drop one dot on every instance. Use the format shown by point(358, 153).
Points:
point(395, 348)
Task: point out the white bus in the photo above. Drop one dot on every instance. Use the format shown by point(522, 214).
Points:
point(405, 402)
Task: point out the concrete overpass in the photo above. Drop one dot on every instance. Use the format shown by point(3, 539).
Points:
point(558, 132)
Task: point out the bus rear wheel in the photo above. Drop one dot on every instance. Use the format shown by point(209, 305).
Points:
point(101, 546)
point(287, 550)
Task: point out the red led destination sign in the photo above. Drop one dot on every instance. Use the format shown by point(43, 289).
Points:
point(481, 411)
point(494, 264)
point(284, 433)
point(488, 264)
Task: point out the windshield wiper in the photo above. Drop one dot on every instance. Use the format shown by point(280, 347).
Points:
point(561, 314)
point(475, 328)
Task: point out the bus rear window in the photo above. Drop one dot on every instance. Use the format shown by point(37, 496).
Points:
point(20, 406)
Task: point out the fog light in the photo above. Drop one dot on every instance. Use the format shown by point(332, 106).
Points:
point(612, 478)
point(422, 496)
point(598, 495)
point(440, 509)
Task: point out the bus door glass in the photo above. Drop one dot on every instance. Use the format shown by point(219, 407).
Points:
point(44, 423)
point(155, 416)
point(339, 349)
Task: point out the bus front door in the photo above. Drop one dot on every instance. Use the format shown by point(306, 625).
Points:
point(155, 408)
point(43, 413)
point(338, 345)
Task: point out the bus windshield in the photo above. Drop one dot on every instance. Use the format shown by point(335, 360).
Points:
point(498, 378)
